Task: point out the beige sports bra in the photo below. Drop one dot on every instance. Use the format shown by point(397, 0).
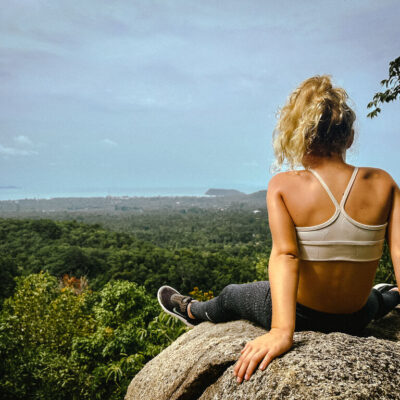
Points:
point(341, 237)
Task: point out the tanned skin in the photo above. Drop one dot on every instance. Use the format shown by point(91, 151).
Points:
point(298, 199)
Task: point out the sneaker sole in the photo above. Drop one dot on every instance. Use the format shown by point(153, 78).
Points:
point(381, 285)
point(185, 321)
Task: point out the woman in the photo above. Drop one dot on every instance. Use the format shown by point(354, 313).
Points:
point(328, 224)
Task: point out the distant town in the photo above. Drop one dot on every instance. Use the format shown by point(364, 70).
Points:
point(213, 199)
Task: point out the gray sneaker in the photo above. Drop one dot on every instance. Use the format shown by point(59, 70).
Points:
point(384, 287)
point(175, 304)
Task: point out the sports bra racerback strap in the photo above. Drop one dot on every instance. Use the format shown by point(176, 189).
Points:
point(346, 193)
point(340, 238)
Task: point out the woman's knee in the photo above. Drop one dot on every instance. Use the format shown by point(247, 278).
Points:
point(228, 295)
point(229, 290)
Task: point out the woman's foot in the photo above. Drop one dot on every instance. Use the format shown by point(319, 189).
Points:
point(177, 305)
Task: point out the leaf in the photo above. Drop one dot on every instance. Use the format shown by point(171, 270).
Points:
point(392, 91)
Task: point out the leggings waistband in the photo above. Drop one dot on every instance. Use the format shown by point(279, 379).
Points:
point(314, 314)
point(310, 319)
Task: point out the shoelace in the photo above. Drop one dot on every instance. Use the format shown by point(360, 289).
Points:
point(182, 302)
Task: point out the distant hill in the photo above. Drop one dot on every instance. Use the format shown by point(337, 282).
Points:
point(224, 192)
point(260, 195)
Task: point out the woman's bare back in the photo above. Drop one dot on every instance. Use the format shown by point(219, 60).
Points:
point(336, 286)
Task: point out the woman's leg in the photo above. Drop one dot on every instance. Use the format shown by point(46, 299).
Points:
point(385, 301)
point(251, 301)
point(378, 305)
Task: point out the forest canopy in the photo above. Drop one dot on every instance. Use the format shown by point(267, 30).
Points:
point(78, 311)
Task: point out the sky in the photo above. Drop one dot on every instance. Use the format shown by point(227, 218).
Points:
point(135, 96)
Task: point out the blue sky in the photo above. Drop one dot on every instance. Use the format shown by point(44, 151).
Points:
point(103, 95)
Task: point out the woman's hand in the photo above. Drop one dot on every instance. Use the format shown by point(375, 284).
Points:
point(262, 349)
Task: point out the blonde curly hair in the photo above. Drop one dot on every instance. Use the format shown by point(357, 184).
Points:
point(315, 120)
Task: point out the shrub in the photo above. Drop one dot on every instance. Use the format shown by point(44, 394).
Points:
point(60, 340)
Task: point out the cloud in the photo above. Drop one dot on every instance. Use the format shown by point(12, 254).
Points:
point(109, 142)
point(21, 139)
point(11, 151)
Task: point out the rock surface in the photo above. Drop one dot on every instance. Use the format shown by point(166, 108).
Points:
point(199, 366)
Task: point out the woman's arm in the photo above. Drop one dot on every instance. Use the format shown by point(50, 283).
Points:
point(284, 275)
point(393, 232)
point(284, 262)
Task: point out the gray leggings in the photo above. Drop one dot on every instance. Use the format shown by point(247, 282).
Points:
point(252, 301)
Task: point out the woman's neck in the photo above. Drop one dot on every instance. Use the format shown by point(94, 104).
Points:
point(315, 161)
